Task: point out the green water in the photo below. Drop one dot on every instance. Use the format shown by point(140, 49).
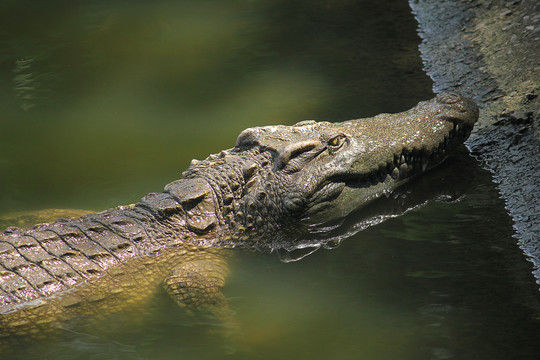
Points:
point(102, 102)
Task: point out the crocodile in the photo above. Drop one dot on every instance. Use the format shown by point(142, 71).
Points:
point(275, 186)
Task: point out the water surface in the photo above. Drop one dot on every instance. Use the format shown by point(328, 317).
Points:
point(106, 101)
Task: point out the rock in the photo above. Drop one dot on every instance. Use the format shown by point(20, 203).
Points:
point(494, 60)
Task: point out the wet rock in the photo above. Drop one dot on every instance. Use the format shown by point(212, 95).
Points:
point(494, 59)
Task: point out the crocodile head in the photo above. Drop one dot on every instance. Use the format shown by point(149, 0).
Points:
point(324, 170)
point(313, 172)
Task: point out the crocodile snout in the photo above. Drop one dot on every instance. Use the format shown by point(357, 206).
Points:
point(457, 108)
point(448, 98)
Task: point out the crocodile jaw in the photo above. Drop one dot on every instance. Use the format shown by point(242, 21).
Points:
point(289, 177)
point(387, 150)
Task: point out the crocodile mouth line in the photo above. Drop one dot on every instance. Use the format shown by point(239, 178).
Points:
point(408, 163)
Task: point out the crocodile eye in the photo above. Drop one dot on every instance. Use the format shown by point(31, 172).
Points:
point(336, 141)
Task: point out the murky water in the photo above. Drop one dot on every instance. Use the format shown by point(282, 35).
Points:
point(106, 101)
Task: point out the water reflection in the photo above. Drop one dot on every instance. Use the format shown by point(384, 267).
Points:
point(445, 184)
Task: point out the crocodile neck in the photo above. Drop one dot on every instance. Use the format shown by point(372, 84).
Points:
point(248, 207)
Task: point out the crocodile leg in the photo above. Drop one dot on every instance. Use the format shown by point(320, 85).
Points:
point(197, 286)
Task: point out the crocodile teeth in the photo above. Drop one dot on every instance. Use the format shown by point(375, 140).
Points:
point(396, 160)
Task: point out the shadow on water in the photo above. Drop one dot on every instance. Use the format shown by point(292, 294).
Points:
point(103, 102)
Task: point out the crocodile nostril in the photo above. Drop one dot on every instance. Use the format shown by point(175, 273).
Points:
point(448, 98)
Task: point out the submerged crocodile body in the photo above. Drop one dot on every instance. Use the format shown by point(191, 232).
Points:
point(267, 192)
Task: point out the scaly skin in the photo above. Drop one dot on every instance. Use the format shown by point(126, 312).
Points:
point(268, 192)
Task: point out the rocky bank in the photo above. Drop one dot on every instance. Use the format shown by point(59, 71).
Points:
point(489, 50)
